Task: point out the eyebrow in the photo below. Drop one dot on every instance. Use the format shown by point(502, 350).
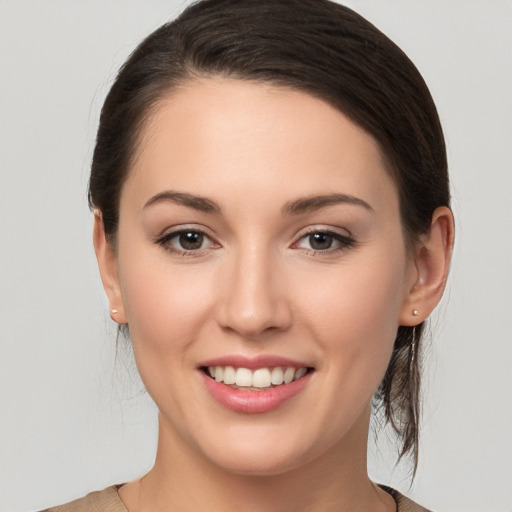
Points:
point(311, 203)
point(295, 207)
point(191, 201)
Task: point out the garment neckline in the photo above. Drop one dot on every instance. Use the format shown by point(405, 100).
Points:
point(392, 492)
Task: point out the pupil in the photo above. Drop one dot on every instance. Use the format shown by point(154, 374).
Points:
point(190, 240)
point(320, 241)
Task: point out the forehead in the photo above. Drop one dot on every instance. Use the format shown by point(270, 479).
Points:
point(216, 135)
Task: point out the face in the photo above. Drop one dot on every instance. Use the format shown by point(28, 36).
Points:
point(259, 241)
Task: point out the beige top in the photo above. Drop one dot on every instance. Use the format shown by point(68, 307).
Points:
point(108, 500)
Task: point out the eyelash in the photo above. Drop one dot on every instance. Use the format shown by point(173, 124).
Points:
point(165, 242)
point(343, 242)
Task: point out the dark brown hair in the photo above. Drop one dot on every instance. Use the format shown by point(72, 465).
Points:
point(328, 51)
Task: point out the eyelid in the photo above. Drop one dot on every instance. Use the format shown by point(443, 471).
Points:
point(178, 228)
point(344, 241)
point(172, 232)
point(322, 228)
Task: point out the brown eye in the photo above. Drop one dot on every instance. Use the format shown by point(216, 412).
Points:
point(320, 241)
point(186, 242)
point(324, 242)
point(190, 240)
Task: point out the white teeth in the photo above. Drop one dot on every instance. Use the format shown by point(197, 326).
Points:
point(277, 376)
point(288, 375)
point(243, 377)
point(261, 378)
point(229, 375)
point(298, 374)
point(219, 374)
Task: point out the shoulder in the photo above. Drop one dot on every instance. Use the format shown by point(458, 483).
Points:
point(404, 504)
point(107, 500)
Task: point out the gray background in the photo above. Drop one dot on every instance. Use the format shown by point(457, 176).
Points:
point(70, 419)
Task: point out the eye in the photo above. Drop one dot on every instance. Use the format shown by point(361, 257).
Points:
point(186, 241)
point(190, 240)
point(324, 241)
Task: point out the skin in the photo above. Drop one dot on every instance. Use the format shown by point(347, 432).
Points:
point(259, 285)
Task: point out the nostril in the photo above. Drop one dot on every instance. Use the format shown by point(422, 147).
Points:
point(253, 306)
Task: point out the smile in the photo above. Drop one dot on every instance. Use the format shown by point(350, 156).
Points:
point(257, 379)
point(254, 386)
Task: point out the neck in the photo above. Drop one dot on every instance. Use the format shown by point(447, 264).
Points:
point(183, 479)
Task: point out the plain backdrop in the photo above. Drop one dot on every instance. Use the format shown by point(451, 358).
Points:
point(73, 416)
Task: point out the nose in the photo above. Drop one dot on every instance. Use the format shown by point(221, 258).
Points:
point(254, 301)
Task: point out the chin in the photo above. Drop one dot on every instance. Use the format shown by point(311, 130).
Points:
point(257, 463)
point(267, 453)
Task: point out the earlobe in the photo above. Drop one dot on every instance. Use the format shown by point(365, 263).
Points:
point(107, 263)
point(432, 262)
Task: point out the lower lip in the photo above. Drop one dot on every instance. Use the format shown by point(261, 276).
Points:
point(254, 402)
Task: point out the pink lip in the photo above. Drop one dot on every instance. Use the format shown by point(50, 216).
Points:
point(253, 363)
point(253, 402)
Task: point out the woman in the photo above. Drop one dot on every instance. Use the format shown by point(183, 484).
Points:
point(272, 228)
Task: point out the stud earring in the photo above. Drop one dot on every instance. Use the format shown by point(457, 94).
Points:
point(415, 312)
point(114, 311)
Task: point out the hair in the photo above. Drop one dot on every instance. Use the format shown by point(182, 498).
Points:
point(318, 47)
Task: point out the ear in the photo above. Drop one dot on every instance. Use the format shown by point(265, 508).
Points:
point(107, 262)
point(431, 262)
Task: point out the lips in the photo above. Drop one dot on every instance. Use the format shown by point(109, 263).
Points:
point(255, 385)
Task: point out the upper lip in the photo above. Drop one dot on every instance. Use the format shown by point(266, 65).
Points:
point(253, 363)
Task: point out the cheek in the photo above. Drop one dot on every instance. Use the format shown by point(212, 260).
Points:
point(166, 305)
point(355, 310)
point(167, 309)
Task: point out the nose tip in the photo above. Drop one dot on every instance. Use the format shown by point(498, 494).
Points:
point(253, 322)
point(253, 305)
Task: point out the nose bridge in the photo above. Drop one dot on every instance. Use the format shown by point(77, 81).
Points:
point(252, 301)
